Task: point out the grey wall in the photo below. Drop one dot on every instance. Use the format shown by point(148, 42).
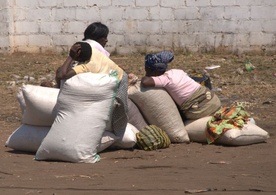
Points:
point(140, 25)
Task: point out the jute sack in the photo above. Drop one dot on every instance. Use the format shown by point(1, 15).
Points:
point(196, 129)
point(249, 134)
point(83, 110)
point(134, 116)
point(158, 108)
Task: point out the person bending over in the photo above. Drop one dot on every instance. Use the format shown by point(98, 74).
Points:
point(96, 35)
point(95, 61)
point(193, 100)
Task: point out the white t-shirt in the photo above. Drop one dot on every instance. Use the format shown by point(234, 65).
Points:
point(98, 46)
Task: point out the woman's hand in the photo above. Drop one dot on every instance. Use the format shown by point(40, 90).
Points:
point(147, 82)
point(132, 79)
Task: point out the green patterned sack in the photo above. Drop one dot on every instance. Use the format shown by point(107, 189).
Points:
point(152, 137)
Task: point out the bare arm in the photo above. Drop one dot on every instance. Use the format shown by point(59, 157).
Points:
point(147, 82)
point(65, 71)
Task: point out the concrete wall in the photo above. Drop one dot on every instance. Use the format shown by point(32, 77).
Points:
point(6, 26)
point(140, 25)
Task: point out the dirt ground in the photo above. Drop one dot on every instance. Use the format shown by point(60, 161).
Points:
point(180, 169)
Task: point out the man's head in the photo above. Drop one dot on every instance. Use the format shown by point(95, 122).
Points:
point(81, 51)
point(156, 64)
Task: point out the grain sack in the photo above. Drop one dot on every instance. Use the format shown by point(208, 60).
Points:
point(249, 134)
point(196, 129)
point(158, 108)
point(83, 111)
point(107, 140)
point(134, 116)
point(39, 105)
point(20, 99)
point(27, 138)
point(127, 140)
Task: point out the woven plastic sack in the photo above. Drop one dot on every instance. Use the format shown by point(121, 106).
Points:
point(28, 138)
point(152, 137)
point(38, 104)
point(158, 108)
point(249, 134)
point(134, 116)
point(84, 105)
point(127, 140)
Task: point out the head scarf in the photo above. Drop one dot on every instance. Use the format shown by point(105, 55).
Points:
point(159, 61)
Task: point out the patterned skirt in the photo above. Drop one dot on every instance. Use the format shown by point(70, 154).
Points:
point(203, 102)
point(119, 115)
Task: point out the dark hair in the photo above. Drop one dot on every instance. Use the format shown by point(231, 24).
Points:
point(86, 52)
point(96, 31)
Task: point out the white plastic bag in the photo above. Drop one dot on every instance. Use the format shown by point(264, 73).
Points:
point(107, 140)
point(84, 106)
point(128, 139)
point(27, 138)
point(39, 105)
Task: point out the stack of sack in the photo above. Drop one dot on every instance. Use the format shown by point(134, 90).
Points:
point(159, 109)
point(71, 124)
point(38, 113)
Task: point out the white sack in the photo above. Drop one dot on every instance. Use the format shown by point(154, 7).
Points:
point(20, 99)
point(40, 105)
point(249, 134)
point(84, 106)
point(159, 109)
point(128, 139)
point(28, 138)
point(107, 140)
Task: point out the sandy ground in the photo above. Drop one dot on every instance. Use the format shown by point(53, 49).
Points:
point(180, 169)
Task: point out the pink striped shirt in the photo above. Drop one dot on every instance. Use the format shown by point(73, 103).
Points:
point(178, 84)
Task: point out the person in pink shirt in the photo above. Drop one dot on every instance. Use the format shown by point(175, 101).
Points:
point(193, 100)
